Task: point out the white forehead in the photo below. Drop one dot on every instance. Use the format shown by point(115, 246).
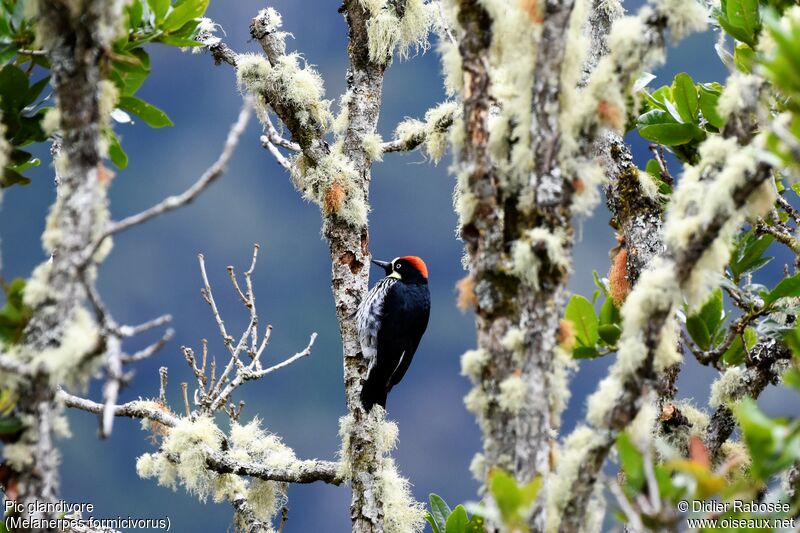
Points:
point(394, 261)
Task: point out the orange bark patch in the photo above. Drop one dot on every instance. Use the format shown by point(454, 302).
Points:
point(698, 452)
point(566, 334)
point(334, 198)
point(104, 174)
point(532, 8)
point(578, 185)
point(610, 114)
point(157, 429)
point(466, 293)
point(618, 277)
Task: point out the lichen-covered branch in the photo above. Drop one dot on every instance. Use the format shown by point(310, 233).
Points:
point(60, 336)
point(431, 133)
point(711, 202)
point(770, 359)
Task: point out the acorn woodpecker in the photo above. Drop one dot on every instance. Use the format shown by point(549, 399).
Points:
point(391, 321)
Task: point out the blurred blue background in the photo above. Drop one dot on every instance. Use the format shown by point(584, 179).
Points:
point(153, 270)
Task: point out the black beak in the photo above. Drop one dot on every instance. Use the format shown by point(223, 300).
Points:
point(385, 265)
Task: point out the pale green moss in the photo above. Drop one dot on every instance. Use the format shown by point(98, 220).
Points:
point(513, 394)
point(387, 32)
point(331, 185)
point(684, 17)
point(372, 146)
point(729, 388)
point(18, 455)
point(476, 401)
point(252, 72)
point(527, 264)
point(477, 467)
point(473, 362)
point(37, 288)
point(402, 513)
point(51, 121)
point(569, 463)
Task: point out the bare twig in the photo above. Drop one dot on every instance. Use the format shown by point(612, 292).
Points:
point(135, 409)
point(279, 157)
point(276, 138)
point(151, 350)
point(163, 372)
point(246, 374)
point(207, 178)
point(130, 331)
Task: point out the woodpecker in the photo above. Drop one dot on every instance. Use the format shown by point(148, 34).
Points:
point(391, 321)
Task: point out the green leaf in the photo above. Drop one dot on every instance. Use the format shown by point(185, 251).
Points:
point(748, 252)
point(135, 12)
point(685, 95)
point(183, 13)
point(457, 521)
point(786, 287)
point(668, 134)
point(181, 42)
point(10, 425)
point(475, 525)
point(115, 152)
point(735, 354)
point(711, 312)
point(506, 494)
point(609, 313)
point(698, 331)
point(585, 352)
point(791, 378)
point(153, 116)
point(734, 31)
point(11, 177)
point(708, 106)
point(773, 444)
point(581, 313)
point(159, 9)
point(609, 333)
point(530, 491)
point(743, 58)
point(439, 513)
point(36, 89)
point(632, 463)
point(743, 14)
point(599, 284)
point(13, 89)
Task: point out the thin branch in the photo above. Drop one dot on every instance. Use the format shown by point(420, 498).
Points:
point(130, 331)
point(189, 195)
point(135, 409)
point(300, 471)
point(32, 53)
point(279, 157)
point(244, 375)
point(769, 360)
point(276, 138)
point(151, 350)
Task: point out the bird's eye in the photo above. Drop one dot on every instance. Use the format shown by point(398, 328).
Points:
point(397, 266)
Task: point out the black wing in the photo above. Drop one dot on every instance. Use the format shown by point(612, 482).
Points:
point(405, 318)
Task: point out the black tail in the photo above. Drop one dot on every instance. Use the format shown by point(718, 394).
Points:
point(372, 395)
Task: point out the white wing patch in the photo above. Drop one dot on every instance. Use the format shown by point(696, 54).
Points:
point(368, 319)
point(402, 355)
